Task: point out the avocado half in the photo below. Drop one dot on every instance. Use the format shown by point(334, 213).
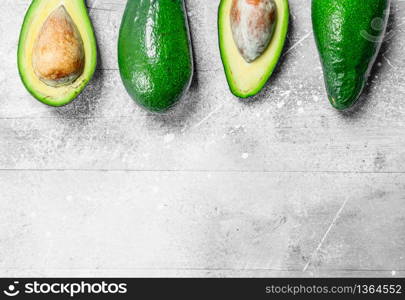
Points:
point(57, 51)
point(247, 79)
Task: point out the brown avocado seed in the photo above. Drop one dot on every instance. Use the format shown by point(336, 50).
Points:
point(252, 24)
point(58, 54)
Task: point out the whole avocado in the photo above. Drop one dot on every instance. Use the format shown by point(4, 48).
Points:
point(154, 52)
point(348, 35)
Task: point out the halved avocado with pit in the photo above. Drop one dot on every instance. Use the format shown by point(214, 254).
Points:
point(57, 52)
point(246, 78)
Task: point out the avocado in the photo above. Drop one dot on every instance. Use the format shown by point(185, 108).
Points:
point(348, 35)
point(251, 35)
point(57, 52)
point(154, 52)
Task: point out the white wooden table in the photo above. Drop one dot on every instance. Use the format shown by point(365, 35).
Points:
point(282, 185)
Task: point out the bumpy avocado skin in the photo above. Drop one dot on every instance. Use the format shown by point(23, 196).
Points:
point(348, 35)
point(154, 52)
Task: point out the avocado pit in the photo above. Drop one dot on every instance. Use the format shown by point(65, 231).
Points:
point(252, 25)
point(58, 57)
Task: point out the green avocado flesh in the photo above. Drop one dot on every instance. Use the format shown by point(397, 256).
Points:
point(154, 52)
point(57, 51)
point(348, 34)
point(247, 79)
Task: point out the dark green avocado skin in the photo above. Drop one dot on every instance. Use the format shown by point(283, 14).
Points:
point(154, 52)
point(348, 35)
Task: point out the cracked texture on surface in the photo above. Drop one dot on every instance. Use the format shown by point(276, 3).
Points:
point(279, 185)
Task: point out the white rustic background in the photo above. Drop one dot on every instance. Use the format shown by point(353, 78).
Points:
point(281, 185)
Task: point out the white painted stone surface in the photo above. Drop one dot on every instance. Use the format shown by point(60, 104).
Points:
point(281, 185)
